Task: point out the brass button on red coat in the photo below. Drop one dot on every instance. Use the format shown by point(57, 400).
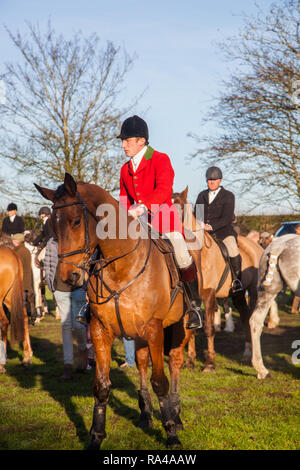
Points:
point(137, 194)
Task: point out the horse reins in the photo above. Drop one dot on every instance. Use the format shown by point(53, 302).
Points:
point(104, 262)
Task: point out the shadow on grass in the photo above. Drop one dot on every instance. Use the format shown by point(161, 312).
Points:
point(48, 373)
point(275, 343)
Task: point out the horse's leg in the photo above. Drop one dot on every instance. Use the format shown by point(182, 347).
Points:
point(217, 319)
point(209, 300)
point(179, 338)
point(155, 337)
point(102, 341)
point(3, 339)
point(191, 352)
point(26, 343)
point(274, 317)
point(256, 324)
point(229, 324)
point(27, 351)
point(142, 359)
point(295, 305)
point(239, 301)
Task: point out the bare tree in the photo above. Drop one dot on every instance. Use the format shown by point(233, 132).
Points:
point(257, 112)
point(62, 109)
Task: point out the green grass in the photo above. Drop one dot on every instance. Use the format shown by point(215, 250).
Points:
point(227, 409)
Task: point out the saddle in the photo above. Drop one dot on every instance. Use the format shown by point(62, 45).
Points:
point(166, 248)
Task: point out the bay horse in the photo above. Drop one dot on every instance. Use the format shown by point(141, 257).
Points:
point(279, 264)
point(212, 268)
point(129, 293)
point(11, 295)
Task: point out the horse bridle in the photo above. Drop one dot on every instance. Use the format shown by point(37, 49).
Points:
point(88, 262)
point(86, 248)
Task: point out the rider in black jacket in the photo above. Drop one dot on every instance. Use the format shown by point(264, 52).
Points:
point(47, 230)
point(13, 223)
point(218, 204)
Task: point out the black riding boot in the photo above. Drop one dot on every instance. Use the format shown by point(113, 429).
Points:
point(236, 269)
point(84, 314)
point(195, 314)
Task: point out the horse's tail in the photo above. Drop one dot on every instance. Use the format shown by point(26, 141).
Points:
point(17, 320)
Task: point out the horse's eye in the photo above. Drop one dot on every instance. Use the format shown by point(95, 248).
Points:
point(76, 222)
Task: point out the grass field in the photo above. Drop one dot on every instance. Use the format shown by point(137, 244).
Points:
point(227, 409)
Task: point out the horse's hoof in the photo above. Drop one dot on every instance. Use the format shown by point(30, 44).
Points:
point(229, 330)
point(209, 368)
point(26, 364)
point(272, 325)
point(179, 427)
point(264, 376)
point(145, 423)
point(2, 369)
point(93, 445)
point(189, 365)
point(173, 441)
point(246, 360)
point(95, 442)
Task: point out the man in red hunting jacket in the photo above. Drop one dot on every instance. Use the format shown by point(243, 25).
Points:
point(146, 186)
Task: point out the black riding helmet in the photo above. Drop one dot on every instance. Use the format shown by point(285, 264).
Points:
point(213, 173)
point(45, 210)
point(12, 207)
point(134, 126)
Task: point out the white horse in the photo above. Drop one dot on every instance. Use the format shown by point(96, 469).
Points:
point(40, 305)
point(280, 263)
point(229, 323)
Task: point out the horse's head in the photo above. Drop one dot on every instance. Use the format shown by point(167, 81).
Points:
point(70, 223)
point(180, 199)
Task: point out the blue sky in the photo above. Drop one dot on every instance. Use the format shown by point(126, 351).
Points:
point(177, 60)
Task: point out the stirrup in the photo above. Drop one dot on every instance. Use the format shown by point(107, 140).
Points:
point(236, 286)
point(195, 323)
point(83, 315)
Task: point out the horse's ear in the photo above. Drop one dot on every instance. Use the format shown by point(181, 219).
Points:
point(185, 193)
point(46, 193)
point(70, 184)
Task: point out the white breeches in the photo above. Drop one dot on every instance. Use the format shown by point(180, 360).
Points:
point(182, 254)
point(231, 245)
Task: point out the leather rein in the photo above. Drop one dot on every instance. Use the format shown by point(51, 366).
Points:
point(103, 262)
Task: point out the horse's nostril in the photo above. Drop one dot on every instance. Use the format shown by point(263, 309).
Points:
point(74, 278)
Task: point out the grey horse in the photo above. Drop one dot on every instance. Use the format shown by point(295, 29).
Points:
point(279, 263)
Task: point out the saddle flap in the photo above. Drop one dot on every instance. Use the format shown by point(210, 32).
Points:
point(223, 249)
point(165, 247)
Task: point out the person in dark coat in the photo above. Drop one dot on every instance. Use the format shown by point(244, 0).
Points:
point(13, 223)
point(218, 204)
point(47, 230)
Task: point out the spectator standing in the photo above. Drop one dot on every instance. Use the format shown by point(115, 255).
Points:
point(129, 347)
point(69, 301)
